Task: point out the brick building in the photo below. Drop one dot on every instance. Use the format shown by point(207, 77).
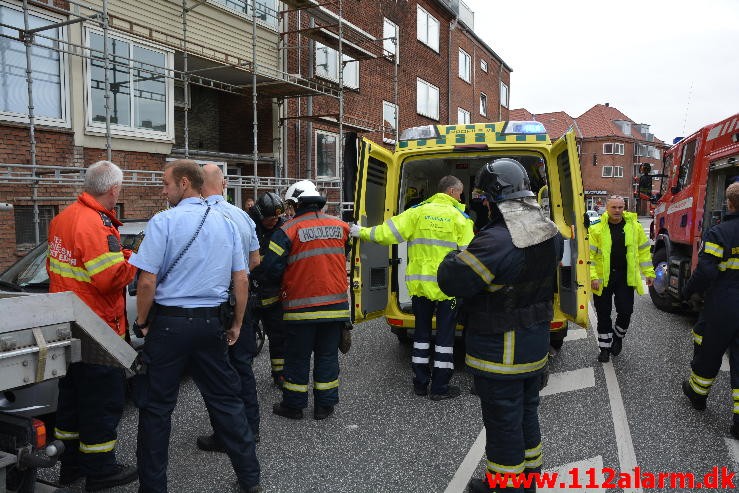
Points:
point(254, 89)
point(612, 149)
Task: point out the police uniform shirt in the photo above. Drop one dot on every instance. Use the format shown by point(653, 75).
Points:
point(244, 224)
point(202, 277)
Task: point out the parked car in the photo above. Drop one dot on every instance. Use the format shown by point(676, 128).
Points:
point(593, 216)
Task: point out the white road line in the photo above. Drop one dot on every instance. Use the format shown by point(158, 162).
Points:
point(565, 477)
point(725, 363)
point(569, 380)
point(733, 446)
point(574, 335)
point(469, 465)
point(624, 444)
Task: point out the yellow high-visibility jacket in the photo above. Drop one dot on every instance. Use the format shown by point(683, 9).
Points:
point(432, 229)
point(638, 256)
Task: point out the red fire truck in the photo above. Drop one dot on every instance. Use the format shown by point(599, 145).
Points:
point(698, 169)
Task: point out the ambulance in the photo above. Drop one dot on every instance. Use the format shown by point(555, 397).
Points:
point(390, 181)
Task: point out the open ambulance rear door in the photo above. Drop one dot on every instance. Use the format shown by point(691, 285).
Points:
point(568, 209)
point(370, 262)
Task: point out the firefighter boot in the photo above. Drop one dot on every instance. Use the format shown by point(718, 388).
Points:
point(121, 475)
point(287, 412)
point(69, 474)
point(477, 485)
point(696, 400)
point(322, 412)
point(604, 355)
point(617, 345)
point(735, 430)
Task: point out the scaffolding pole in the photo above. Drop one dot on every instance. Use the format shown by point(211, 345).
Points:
point(186, 85)
point(255, 125)
point(28, 41)
point(106, 56)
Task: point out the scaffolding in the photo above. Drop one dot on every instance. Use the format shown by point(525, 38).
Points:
point(326, 26)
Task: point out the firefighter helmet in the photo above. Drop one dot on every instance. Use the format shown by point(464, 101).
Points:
point(268, 205)
point(503, 179)
point(301, 190)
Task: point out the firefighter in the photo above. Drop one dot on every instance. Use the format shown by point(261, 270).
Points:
point(619, 254)
point(506, 279)
point(85, 256)
point(717, 275)
point(432, 229)
point(264, 300)
point(306, 257)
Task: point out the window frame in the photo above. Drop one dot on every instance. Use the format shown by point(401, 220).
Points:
point(609, 174)
point(484, 65)
point(464, 73)
point(130, 131)
point(468, 119)
point(64, 92)
point(504, 94)
point(419, 12)
point(396, 47)
point(389, 140)
point(420, 82)
point(43, 234)
point(246, 13)
point(483, 107)
point(336, 153)
point(324, 74)
point(618, 171)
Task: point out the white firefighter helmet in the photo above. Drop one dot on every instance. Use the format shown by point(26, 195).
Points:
point(301, 189)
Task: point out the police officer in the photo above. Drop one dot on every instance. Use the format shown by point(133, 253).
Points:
point(619, 255)
point(264, 299)
point(85, 257)
point(717, 275)
point(307, 256)
point(182, 307)
point(432, 229)
point(241, 354)
point(506, 278)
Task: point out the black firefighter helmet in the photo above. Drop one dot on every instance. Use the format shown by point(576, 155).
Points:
point(268, 205)
point(503, 179)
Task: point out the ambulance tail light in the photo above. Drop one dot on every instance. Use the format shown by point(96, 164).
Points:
point(395, 321)
point(39, 432)
point(423, 132)
point(524, 127)
point(556, 325)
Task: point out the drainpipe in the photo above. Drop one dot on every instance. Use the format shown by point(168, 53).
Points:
point(452, 26)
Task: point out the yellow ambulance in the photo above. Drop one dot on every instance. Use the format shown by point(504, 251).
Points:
point(388, 182)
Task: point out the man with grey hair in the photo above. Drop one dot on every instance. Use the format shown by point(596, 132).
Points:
point(85, 256)
point(432, 229)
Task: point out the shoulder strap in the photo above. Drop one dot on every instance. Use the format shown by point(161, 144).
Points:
point(184, 250)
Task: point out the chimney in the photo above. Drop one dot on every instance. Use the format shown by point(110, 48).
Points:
point(608, 104)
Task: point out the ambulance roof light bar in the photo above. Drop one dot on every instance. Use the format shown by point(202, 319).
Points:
point(524, 127)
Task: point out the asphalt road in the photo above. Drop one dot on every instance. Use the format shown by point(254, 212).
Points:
point(627, 413)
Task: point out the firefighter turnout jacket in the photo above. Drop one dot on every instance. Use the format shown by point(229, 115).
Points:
point(85, 257)
point(638, 256)
point(308, 254)
point(265, 294)
point(508, 294)
point(432, 229)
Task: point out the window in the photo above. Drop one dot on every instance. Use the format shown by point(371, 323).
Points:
point(686, 164)
point(266, 10)
point(618, 171)
point(465, 65)
point(49, 81)
point(427, 99)
point(427, 29)
point(483, 104)
point(640, 149)
point(463, 117)
point(624, 126)
point(327, 154)
point(503, 95)
point(141, 102)
point(483, 65)
point(611, 148)
point(390, 34)
point(327, 66)
point(389, 115)
point(24, 229)
point(607, 172)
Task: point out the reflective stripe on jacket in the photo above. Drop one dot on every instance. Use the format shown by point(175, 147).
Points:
point(638, 256)
point(309, 249)
point(432, 229)
point(85, 257)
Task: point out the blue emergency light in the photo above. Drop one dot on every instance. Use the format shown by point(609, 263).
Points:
point(524, 127)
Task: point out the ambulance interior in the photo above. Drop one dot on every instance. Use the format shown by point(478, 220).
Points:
point(420, 178)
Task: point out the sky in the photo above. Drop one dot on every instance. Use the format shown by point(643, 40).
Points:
point(672, 64)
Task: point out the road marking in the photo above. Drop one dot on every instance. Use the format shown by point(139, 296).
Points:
point(733, 446)
point(565, 476)
point(469, 465)
point(574, 335)
point(725, 363)
point(567, 381)
point(624, 444)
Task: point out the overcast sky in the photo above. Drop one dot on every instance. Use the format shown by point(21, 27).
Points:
point(672, 64)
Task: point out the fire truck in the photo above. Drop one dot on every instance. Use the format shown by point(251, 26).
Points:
point(698, 169)
point(390, 181)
